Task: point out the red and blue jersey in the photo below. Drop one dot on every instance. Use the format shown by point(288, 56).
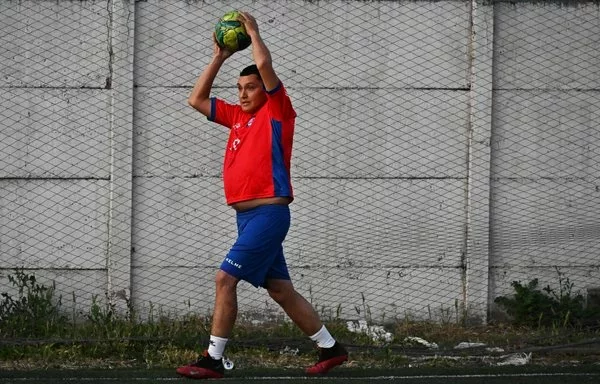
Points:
point(259, 148)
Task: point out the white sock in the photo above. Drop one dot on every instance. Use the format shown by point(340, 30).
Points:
point(216, 346)
point(323, 338)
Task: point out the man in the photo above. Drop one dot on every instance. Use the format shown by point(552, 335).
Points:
point(256, 175)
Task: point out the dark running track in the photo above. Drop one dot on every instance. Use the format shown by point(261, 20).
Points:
point(505, 375)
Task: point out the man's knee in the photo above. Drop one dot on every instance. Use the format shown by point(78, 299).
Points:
point(281, 291)
point(224, 280)
point(280, 297)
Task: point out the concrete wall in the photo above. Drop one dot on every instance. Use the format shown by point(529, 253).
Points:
point(421, 184)
point(545, 196)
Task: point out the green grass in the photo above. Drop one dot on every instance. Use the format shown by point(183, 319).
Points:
point(36, 333)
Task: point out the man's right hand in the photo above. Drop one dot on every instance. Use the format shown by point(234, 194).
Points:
point(222, 53)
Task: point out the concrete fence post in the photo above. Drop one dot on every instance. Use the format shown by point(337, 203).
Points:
point(476, 255)
point(120, 82)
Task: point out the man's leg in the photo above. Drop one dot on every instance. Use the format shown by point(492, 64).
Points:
point(210, 364)
point(225, 310)
point(295, 305)
point(303, 314)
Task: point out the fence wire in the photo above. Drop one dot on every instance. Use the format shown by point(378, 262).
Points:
point(442, 150)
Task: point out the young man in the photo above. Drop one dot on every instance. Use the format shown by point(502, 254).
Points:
point(256, 175)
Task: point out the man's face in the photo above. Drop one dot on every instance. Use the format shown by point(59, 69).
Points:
point(251, 93)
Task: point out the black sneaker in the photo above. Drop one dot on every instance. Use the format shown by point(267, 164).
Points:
point(204, 368)
point(328, 359)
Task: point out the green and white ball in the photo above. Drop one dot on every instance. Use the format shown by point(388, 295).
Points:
point(230, 33)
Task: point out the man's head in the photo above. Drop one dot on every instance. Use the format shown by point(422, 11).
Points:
point(251, 90)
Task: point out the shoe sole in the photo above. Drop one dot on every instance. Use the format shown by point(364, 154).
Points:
point(325, 366)
point(198, 373)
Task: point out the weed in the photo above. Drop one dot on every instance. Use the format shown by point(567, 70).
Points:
point(34, 312)
point(365, 309)
point(530, 306)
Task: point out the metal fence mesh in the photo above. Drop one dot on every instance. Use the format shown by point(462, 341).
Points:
point(429, 172)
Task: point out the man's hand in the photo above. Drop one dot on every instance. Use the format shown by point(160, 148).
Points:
point(249, 23)
point(218, 52)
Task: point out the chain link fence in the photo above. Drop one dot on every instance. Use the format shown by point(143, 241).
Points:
point(442, 150)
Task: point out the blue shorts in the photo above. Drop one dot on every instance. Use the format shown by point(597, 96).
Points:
point(257, 254)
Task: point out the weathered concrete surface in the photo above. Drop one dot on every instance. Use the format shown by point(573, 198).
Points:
point(60, 133)
point(54, 44)
point(546, 46)
point(314, 44)
point(67, 232)
point(561, 139)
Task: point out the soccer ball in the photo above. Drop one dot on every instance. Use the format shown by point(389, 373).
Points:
point(230, 33)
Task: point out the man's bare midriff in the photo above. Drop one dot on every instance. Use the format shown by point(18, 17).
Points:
point(249, 204)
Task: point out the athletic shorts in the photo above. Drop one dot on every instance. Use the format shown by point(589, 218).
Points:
point(257, 254)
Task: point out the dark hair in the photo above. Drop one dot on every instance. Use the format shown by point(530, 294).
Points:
point(251, 70)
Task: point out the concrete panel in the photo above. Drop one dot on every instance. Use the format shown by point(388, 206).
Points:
point(174, 140)
point(547, 46)
point(54, 44)
point(55, 133)
point(175, 291)
point(376, 223)
point(381, 294)
point(178, 291)
point(347, 293)
point(543, 223)
point(546, 134)
point(380, 133)
point(181, 222)
point(339, 133)
point(325, 44)
point(53, 223)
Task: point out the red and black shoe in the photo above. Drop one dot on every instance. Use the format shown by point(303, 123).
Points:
point(205, 367)
point(328, 359)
